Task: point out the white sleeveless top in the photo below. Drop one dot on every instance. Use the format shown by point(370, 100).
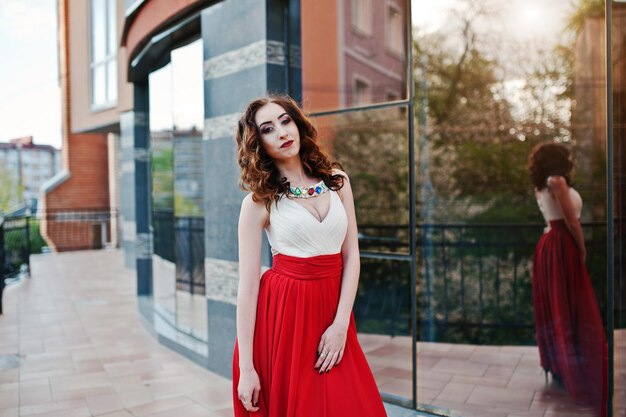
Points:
point(294, 230)
point(551, 209)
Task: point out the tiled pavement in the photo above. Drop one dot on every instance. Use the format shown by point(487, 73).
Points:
point(72, 345)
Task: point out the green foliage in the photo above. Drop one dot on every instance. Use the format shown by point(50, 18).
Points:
point(10, 192)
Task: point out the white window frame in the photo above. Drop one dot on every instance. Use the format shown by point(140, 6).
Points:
point(110, 48)
point(392, 46)
point(363, 25)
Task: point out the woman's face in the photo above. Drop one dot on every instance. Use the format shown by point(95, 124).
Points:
point(279, 133)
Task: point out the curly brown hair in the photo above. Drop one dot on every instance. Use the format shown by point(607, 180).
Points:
point(549, 158)
point(258, 171)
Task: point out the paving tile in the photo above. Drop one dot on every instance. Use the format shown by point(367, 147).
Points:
point(188, 411)
point(35, 395)
point(9, 398)
point(102, 404)
point(50, 407)
point(456, 392)
point(501, 397)
point(459, 367)
point(215, 398)
point(158, 406)
point(9, 412)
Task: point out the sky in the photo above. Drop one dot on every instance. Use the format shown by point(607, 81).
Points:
point(30, 102)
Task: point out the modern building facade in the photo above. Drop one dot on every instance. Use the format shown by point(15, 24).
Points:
point(433, 128)
point(30, 164)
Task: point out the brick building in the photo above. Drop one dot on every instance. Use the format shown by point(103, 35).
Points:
point(31, 165)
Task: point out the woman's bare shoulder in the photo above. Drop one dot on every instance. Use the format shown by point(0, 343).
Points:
point(254, 210)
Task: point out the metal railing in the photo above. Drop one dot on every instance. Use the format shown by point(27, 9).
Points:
point(474, 281)
point(180, 240)
point(15, 250)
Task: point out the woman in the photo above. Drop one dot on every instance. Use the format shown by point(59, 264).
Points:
point(570, 334)
point(297, 352)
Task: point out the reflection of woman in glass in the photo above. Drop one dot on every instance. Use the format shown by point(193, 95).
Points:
point(297, 352)
point(570, 334)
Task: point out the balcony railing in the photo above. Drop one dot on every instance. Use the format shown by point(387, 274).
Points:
point(474, 281)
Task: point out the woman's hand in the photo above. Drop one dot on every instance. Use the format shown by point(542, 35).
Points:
point(331, 347)
point(249, 389)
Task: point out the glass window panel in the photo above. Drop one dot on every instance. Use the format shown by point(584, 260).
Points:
point(188, 92)
point(382, 311)
point(111, 82)
point(188, 119)
point(479, 113)
point(112, 44)
point(162, 187)
point(98, 85)
point(335, 52)
point(372, 147)
point(98, 30)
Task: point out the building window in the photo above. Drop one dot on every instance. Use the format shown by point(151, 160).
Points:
point(394, 33)
point(103, 53)
point(362, 92)
point(362, 16)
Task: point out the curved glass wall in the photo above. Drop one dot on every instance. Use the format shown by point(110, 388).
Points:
point(445, 309)
point(492, 80)
point(176, 124)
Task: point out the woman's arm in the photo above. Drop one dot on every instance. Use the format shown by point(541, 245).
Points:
point(252, 218)
point(333, 340)
point(560, 190)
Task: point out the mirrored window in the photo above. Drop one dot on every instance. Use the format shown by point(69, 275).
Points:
point(511, 300)
point(176, 124)
point(373, 148)
point(359, 58)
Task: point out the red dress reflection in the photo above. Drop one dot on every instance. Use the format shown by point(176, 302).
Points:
point(570, 333)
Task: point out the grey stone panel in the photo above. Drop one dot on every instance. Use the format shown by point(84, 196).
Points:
point(222, 333)
point(232, 24)
point(229, 94)
point(222, 199)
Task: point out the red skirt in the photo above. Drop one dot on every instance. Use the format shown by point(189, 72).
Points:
point(298, 299)
point(570, 334)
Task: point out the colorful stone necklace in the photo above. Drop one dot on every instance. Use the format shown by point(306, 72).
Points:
point(308, 192)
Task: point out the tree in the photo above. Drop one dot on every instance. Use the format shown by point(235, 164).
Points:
point(10, 192)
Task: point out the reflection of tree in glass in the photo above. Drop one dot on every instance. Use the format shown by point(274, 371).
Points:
point(484, 104)
point(372, 147)
point(162, 178)
point(489, 103)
